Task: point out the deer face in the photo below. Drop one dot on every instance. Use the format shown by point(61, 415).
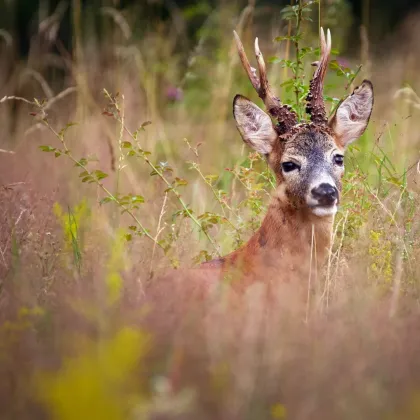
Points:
point(308, 161)
point(309, 171)
point(306, 158)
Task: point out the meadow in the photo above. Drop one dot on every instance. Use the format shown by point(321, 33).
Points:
point(120, 161)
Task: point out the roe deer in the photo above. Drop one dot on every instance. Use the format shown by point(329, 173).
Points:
point(308, 162)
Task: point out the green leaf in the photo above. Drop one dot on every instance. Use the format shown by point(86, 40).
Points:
point(288, 84)
point(82, 162)
point(292, 38)
point(106, 200)
point(179, 182)
point(137, 199)
point(183, 213)
point(304, 51)
point(202, 256)
point(288, 12)
point(47, 149)
point(281, 38)
point(211, 178)
point(274, 60)
point(394, 180)
point(65, 128)
point(126, 145)
point(288, 63)
point(98, 174)
point(145, 124)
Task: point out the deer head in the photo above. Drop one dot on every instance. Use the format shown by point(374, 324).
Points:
point(307, 158)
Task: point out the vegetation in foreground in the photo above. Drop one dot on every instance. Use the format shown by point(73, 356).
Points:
point(142, 172)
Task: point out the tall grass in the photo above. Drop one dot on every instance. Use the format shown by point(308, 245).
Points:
point(120, 162)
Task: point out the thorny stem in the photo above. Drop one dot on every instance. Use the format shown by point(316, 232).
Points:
point(162, 177)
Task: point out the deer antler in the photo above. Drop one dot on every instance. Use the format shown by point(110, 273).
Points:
point(315, 101)
point(283, 113)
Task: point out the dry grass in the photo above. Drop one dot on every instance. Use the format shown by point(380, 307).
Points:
point(82, 335)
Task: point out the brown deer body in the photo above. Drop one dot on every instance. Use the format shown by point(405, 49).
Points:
point(307, 160)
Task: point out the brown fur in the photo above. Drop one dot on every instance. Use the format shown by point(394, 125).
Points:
point(282, 244)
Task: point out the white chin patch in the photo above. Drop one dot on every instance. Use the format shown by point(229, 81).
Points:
point(323, 211)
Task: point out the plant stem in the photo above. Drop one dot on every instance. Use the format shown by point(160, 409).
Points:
point(174, 191)
point(170, 186)
point(298, 61)
point(67, 152)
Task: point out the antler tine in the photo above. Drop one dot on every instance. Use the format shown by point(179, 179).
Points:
point(285, 116)
point(251, 72)
point(315, 101)
point(266, 95)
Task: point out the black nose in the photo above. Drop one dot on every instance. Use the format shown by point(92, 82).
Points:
point(325, 194)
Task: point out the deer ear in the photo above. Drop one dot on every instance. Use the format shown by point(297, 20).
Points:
point(254, 124)
point(352, 116)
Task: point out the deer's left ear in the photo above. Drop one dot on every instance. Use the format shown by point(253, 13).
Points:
point(254, 125)
point(352, 116)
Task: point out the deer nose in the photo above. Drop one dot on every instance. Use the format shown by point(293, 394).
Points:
point(325, 194)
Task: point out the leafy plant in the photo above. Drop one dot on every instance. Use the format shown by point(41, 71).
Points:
point(296, 14)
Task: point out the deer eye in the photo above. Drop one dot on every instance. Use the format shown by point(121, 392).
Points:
point(289, 166)
point(339, 160)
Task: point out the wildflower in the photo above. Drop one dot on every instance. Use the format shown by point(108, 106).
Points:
point(174, 94)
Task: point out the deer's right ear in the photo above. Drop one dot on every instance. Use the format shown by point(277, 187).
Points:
point(352, 116)
point(254, 124)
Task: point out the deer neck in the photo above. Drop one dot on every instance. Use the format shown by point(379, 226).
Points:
point(288, 238)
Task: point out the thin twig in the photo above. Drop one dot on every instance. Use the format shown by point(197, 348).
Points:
point(41, 80)
point(159, 230)
point(47, 105)
point(13, 184)
point(310, 274)
point(339, 251)
point(16, 98)
point(59, 96)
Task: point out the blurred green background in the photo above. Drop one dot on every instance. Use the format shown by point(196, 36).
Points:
point(21, 17)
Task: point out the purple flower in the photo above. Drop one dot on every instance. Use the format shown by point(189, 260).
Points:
point(174, 93)
point(343, 62)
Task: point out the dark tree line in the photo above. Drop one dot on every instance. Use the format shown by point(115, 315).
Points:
point(19, 16)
